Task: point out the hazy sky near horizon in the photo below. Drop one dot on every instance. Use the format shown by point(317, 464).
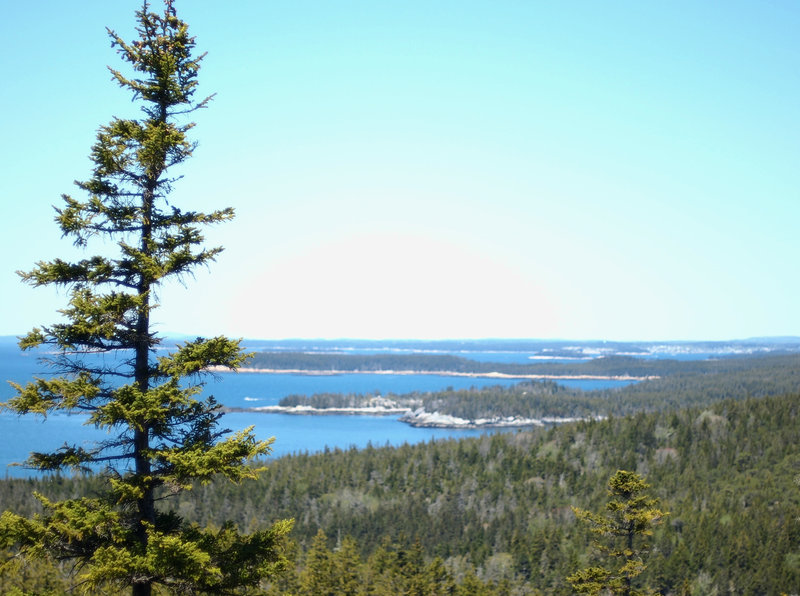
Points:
point(417, 169)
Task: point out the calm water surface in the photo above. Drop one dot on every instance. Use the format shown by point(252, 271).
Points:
point(21, 435)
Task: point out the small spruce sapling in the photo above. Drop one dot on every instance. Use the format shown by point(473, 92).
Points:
point(630, 517)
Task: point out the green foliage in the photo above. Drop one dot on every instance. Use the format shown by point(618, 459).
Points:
point(392, 569)
point(728, 476)
point(631, 514)
point(330, 573)
point(496, 510)
point(162, 440)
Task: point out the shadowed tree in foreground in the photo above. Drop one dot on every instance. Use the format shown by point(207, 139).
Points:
point(630, 516)
point(162, 437)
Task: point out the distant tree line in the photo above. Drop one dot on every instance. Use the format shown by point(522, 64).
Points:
point(605, 366)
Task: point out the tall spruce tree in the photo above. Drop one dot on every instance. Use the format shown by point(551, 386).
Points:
point(630, 516)
point(162, 436)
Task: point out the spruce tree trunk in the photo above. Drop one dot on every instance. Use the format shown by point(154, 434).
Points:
point(146, 505)
point(631, 534)
point(142, 589)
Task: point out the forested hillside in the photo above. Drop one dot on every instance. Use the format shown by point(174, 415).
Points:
point(492, 515)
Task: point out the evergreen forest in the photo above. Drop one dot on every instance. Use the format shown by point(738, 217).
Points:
point(494, 515)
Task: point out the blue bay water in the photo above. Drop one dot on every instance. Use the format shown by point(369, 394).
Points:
point(294, 434)
point(243, 389)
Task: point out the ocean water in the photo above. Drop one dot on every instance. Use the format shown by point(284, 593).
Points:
point(19, 435)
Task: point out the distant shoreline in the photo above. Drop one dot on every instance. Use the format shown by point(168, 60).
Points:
point(312, 411)
point(441, 373)
point(418, 418)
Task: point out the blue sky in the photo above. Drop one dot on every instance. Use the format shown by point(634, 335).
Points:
point(576, 170)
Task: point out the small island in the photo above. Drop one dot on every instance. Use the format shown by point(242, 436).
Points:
point(538, 399)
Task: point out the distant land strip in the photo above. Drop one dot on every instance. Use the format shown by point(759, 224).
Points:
point(623, 368)
point(441, 373)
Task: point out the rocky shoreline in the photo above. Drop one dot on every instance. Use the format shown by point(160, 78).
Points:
point(417, 418)
point(421, 418)
point(312, 411)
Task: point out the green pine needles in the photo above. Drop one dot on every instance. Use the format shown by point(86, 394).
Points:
point(630, 516)
point(162, 437)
